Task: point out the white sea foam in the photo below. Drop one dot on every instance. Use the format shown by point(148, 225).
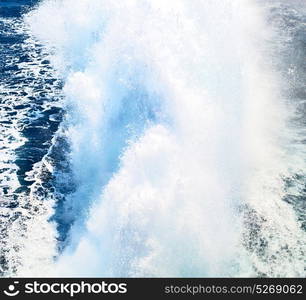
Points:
point(179, 139)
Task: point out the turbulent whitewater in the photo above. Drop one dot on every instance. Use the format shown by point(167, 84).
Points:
point(155, 138)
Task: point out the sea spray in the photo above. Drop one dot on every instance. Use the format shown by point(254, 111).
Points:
point(178, 133)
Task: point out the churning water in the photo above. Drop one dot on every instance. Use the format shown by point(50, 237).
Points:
point(153, 138)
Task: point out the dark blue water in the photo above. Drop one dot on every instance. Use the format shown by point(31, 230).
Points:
point(38, 129)
point(30, 115)
point(291, 51)
point(14, 9)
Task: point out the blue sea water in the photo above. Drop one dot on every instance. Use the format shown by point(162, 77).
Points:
point(156, 148)
point(29, 115)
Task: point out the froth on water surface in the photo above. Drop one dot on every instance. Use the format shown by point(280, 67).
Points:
point(174, 147)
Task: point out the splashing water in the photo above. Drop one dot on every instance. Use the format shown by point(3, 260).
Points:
point(181, 140)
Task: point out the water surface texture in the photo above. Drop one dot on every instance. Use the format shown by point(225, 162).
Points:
point(152, 138)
